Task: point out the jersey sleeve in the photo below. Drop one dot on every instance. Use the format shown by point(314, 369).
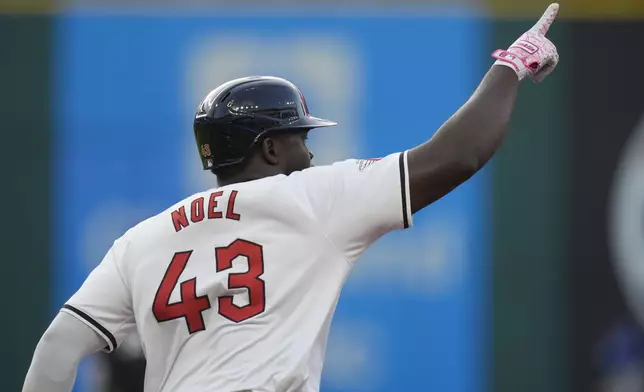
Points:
point(103, 302)
point(358, 200)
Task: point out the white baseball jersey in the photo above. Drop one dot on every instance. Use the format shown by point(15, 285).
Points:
point(234, 288)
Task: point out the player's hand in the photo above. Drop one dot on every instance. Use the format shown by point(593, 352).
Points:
point(532, 55)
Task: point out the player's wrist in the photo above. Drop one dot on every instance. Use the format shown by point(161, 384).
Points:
point(510, 60)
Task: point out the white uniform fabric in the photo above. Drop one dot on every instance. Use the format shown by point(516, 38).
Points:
point(56, 358)
point(259, 267)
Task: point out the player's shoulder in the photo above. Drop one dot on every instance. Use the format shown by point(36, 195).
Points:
point(155, 225)
point(346, 166)
point(325, 170)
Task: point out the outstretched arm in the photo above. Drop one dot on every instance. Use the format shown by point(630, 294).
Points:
point(472, 135)
point(61, 348)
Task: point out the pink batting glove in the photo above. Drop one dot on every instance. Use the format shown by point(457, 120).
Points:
point(532, 55)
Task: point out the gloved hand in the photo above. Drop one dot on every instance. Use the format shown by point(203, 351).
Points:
point(532, 55)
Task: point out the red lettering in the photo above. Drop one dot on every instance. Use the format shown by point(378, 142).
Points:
point(230, 212)
point(179, 219)
point(212, 204)
point(196, 210)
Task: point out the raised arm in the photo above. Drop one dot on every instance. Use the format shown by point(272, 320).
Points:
point(472, 135)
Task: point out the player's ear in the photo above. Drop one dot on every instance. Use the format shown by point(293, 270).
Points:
point(269, 151)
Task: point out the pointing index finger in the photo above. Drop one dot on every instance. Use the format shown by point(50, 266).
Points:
point(546, 19)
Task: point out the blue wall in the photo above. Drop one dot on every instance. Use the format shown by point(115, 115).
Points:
point(412, 315)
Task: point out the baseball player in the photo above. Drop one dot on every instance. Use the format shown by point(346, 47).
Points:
point(234, 288)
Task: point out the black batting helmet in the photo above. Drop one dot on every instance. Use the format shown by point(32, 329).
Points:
point(237, 114)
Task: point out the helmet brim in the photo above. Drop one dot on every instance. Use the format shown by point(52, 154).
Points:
point(311, 122)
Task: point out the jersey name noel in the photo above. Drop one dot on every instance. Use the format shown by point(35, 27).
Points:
point(220, 205)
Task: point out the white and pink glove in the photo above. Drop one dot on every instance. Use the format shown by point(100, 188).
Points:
point(532, 55)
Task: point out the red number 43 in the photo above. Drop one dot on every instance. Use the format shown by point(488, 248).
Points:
point(191, 307)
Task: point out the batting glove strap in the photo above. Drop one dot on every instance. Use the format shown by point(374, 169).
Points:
point(505, 58)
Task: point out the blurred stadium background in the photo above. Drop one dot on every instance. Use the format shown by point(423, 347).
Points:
point(520, 280)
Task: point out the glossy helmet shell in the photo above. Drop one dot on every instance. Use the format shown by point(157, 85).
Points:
point(237, 114)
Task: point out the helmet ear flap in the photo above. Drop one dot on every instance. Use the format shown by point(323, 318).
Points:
point(204, 145)
point(222, 144)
